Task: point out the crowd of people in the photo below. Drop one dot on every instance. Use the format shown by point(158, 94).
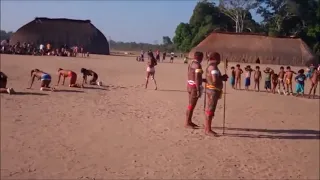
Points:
point(280, 82)
point(42, 50)
point(157, 56)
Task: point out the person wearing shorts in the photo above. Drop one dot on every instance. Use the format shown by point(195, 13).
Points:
point(44, 77)
point(68, 73)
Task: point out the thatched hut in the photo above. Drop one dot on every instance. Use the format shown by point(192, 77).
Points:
point(63, 31)
point(251, 47)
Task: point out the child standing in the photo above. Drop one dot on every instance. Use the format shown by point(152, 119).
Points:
point(275, 81)
point(300, 78)
point(281, 80)
point(248, 77)
point(257, 78)
point(315, 77)
point(233, 76)
point(267, 81)
point(238, 73)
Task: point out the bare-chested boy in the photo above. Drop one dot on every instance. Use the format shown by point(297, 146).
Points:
point(214, 92)
point(281, 80)
point(44, 77)
point(315, 77)
point(3, 84)
point(88, 72)
point(238, 71)
point(68, 73)
point(257, 78)
point(151, 71)
point(274, 81)
point(194, 87)
point(288, 78)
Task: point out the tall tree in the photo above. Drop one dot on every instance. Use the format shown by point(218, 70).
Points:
point(237, 10)
point(275, 12)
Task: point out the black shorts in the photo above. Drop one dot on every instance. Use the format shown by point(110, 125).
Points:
point(267, 84)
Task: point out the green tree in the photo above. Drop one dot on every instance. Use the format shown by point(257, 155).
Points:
point(183, 37)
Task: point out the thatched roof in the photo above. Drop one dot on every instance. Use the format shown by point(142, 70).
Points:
point(63, 31)
point(250, 47)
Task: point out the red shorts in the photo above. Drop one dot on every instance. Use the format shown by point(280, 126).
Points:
point(73, 77)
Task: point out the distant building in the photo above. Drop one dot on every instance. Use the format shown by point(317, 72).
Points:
point(58, 32)
point(269, 50)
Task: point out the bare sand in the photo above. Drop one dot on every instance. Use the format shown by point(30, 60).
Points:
point(126, 132)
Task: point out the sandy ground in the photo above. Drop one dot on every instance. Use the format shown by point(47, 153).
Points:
point(126, 132)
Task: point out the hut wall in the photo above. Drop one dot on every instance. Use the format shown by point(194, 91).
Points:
point(63, 31)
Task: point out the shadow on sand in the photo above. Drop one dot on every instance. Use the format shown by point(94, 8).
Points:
point(30, 93)
point(171, 90)
point(92, 87)
point(69, 90)
point(291, 133)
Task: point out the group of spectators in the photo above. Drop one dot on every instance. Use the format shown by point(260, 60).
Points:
point(41, 49)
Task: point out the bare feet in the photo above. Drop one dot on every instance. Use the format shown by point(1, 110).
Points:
point(191, 126)
point(211, 133)
point(10, 91)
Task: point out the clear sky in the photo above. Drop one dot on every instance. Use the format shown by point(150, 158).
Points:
point(139, 21)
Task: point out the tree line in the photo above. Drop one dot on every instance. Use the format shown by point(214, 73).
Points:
point(281, 18)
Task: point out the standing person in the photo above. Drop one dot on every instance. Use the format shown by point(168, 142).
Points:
point(275, 81)
point(171, 57)
point(44, 77)
point(288, 78)
point(41, 48)
point(281, 80)
point(248, 77)
point(3, 84)
point(239, 71)
point(300, 78)
point(315, 77)
point(88, 72)
point(233, 76)
point(158, 56)
point(67, 73)
point(142, 55)
point(194, 87)
point(267, 81)
point(164, 54)
point(213, 90)
point(257, 78)
point(151, 71)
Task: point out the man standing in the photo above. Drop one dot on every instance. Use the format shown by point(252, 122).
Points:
point(194, 87)
point(214, 85)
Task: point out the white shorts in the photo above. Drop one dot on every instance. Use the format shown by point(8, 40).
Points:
point(152, 70)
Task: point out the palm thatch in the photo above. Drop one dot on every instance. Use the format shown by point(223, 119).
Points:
point(63, 31)
point(251, 47)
